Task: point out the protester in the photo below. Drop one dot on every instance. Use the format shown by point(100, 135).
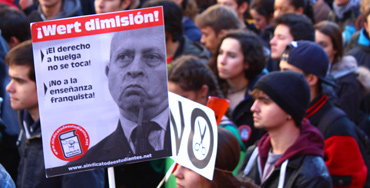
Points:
point(360, 23)
point(349, 89)
point(288, 27)
point(103, 6)
point(49, 10)
point(238, 64)
point(189, 11)
point(228, 153)
point(192, 79)
point(177, 43)
point(361, 50)
point(291, 153)
point(14, 26)
point(321, 10)
point(342, 154)
point(262, 12)
point(344, 13)
point(293, 6)
point(212, 24)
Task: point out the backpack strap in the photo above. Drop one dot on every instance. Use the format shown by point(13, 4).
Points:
point(329, 117)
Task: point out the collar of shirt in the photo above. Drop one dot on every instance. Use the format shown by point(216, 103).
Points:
point(30, 126)
point(128, 126)
point(161, 119)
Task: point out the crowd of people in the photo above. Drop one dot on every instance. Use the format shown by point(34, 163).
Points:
point(296, 74)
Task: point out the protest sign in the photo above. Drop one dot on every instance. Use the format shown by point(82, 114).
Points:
point(194, 139)
point(102, 90)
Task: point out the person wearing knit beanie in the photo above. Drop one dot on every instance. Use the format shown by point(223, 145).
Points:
point(291, 153)
point(289, 90)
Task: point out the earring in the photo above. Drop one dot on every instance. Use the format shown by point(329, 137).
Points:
point(288, 118)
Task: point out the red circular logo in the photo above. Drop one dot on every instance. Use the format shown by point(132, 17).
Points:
point(69, 142)
point(245, 132)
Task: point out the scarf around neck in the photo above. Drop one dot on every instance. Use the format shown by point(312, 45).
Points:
point(341, 10)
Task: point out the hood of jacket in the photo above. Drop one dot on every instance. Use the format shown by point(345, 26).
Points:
point(348, 65)
point(310, 142)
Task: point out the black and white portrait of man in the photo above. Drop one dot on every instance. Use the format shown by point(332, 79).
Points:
point(137, 82)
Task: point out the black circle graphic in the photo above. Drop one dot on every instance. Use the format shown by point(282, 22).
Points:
point(196, 162)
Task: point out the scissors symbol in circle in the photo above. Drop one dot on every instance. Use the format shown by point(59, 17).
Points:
point(199, 146)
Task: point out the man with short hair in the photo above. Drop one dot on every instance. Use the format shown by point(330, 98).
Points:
point(55, 9)
point(241, 8)
point(288, 27)
point(23, 96)
point(291, 153)
point(177, 43)
point(342, 154)
point(14, 26)
point(215, 21)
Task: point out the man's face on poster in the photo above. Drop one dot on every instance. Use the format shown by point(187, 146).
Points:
point(136, 71)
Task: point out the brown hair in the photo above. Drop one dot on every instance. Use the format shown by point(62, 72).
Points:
point(332, 30)
point(190, 8)
point(228, 155)
point(22, 55)
point(253, 53)
point(300, 26)
point(218, 17)
point(191, 74)
point(264, 8)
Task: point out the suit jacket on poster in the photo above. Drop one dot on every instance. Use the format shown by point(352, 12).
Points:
point(115, 146)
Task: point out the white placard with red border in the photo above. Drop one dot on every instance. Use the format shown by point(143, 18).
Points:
point(194, 135)
point(76, 108)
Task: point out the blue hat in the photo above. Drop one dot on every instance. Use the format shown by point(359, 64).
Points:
point(309, 57)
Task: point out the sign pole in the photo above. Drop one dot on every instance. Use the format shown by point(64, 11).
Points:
point(111, 180)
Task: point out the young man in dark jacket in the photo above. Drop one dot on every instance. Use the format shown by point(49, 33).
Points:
point(291, 153)
point(23, 96)
point(342, 154)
